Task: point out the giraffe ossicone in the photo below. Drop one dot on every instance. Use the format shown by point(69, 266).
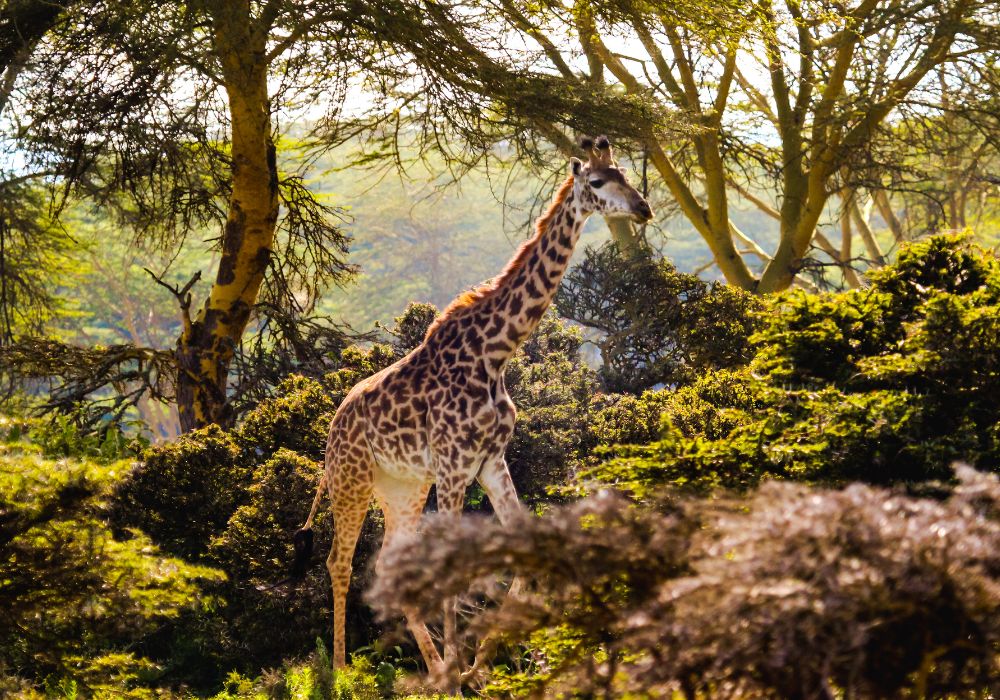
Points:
point(441, 415)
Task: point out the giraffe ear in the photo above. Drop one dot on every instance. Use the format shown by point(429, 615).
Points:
point(575, 166)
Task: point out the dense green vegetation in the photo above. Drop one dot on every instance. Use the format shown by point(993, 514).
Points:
point(180, 558)
point(886, 384)
point(758, 431)
point(78, 599)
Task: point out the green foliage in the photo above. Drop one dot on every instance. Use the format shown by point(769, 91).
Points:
point(297, 418)
point(630, 419)
point(254, 544)
point(656, 325)
point(234, 499)
point(812, 339)
point(356, 362)
point(61, 435)
point(551, 387)
point(78, 601)
point(817, 339)
point(409, 329)
point(183, 492)
point(314, 679)
point(886, 384)
point(264, 622)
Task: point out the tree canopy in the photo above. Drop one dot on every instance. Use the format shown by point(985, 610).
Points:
point(778, 104)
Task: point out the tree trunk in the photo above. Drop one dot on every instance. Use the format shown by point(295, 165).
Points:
point(784, 265)
point(885, 210)
point(730, 262)
point(206, 346)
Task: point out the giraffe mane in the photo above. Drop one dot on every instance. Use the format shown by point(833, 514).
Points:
point(487, 289)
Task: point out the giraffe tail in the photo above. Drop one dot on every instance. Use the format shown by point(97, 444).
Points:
point(303, 539)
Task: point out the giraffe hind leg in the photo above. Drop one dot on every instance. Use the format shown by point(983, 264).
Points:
point(350, 480)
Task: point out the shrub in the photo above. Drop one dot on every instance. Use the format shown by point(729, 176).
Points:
point(798, 593)
point(887, 384)
point(861, 589)
point(552, 388)
point(296, 418)
point(183, 493)
point(312, 679)
point(264, 621)
point(630, 419)
point(824, 437)
point(711, 407)
point(256, 543)
point(838, 338)
point(656, 325)
point(234, 499)
point(409, 329)
point(79, 604)
point(356, 363)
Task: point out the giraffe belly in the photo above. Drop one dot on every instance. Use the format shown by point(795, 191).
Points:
point(403, 454)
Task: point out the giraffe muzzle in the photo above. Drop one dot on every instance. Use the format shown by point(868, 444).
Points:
point(642, 213)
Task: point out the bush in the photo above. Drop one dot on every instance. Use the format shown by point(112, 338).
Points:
point(234, 500)
point(297, 418)
point(798, 593)
point(313, 679)
point(552, 388)
point(859, 589)
point(264, 621)
point(630, 419)
point(844, 338)
point(183, 493)
point(884, 385)
point(410, 328)
point(79, 604)
point(656, 325)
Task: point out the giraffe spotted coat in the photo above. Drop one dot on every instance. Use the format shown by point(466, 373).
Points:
point(441, 415)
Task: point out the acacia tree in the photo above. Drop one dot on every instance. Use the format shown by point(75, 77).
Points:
point(173, 129)
point(936, 167)
point(778, 98)
point(29, 243)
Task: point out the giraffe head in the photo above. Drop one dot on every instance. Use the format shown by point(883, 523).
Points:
point(602, 187)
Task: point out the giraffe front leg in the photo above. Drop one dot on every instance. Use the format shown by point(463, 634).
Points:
point(499, 487)
point(450, 498)
point(402, 503)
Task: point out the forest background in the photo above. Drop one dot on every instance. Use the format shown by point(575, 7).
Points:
point(216, 218)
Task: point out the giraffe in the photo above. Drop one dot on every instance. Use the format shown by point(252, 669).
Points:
point(441, 415)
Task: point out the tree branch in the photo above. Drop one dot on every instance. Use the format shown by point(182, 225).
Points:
point(524, 24)
point(182, 294)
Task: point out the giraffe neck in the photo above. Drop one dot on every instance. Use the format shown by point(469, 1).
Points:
point(522, 297)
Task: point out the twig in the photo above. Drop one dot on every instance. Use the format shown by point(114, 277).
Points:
point(183, 296)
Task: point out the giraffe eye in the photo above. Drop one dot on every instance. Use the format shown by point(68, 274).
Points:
point(596, 183)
